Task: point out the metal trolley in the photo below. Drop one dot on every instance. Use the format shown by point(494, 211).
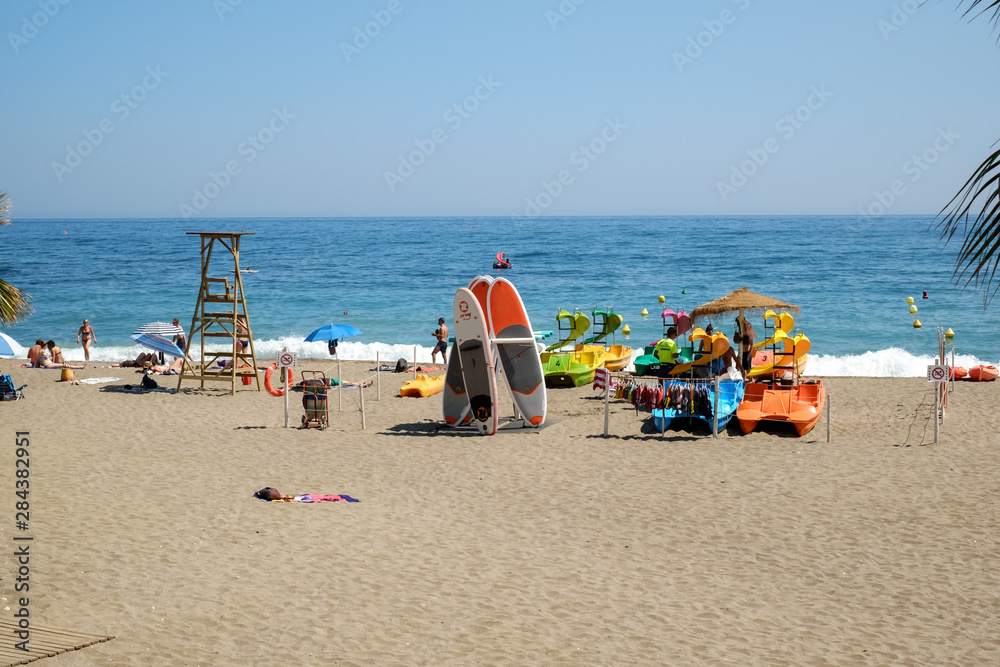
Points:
point(315, 392)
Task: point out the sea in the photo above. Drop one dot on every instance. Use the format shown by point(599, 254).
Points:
point(392, 278)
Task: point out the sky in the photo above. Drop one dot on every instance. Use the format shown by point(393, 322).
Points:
point(237, 108)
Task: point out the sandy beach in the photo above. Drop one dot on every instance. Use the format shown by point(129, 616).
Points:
point(551, 547)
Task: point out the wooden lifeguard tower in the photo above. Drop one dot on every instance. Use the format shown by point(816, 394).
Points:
point(221, 313)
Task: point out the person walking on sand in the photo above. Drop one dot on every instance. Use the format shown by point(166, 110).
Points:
point(86, 332)
point(441, 333)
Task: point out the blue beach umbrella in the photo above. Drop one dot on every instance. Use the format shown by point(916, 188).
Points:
point(154, 342)
point(332, 333)
point(7, 346)
point(160, 329)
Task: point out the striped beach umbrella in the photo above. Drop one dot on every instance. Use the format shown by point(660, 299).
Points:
point(154, 342)
point(160, 329)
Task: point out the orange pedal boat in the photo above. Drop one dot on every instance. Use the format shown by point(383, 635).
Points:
point(983, 373)
point(800, 405)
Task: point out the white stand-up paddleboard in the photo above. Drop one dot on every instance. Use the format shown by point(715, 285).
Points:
point(455, 401)
point(516, 350)
point(472, 342)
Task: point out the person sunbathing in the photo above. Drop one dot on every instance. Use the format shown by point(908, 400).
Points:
point(173, 369)
point(139, 362)
point(44, 360)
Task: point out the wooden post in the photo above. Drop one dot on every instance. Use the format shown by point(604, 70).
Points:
point(414, 361)
point(340, 385)
point(378, 378)
point(937, 404)
point(715, 410)
point(663, 422)
point(828, 416)
point(362, 391)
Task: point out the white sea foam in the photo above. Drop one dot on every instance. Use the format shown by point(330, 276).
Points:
point(267, 351)
point(890, 362)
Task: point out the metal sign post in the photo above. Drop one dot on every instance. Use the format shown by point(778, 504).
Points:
point(938, 374)
point(285, 361)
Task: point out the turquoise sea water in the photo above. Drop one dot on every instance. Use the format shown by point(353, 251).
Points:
point(396, 276)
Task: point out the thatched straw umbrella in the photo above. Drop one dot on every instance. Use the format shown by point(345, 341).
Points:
point(740, 300)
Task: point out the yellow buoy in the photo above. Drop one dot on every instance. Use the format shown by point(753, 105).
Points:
point(909, 299)
point(913, 309)
point(917, 324)
point(644, 312)
point(662, 298)
point(626, 330)
point(949, 333)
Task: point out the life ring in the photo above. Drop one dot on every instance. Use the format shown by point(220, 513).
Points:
point(267, 381)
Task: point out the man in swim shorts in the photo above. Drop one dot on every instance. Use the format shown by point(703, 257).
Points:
point(441, 333)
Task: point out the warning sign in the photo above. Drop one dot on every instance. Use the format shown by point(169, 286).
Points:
point(937, 373)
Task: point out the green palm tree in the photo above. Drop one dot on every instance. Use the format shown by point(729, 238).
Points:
point(13, 302)
point(979, 256)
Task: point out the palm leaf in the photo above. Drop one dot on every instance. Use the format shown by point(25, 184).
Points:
point(13, 304)
point(979, 257)
point(4, 209)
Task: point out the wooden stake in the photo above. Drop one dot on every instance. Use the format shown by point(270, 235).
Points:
point(340, 385)
point(607, 402)
point(378, 378)
point(362, 390)
point(828, 416)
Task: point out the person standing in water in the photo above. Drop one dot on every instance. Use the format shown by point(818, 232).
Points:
point(86, 333)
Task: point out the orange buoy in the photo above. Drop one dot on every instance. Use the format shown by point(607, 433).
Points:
point(267, 381)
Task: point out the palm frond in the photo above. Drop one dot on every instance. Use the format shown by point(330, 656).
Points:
point(13, 304)
point(983, 6)
point(4, 209)
point(979, 257)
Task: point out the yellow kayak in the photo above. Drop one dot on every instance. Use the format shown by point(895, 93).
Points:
point(422, 386)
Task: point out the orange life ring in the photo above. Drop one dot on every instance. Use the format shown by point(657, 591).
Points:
point(267, 381)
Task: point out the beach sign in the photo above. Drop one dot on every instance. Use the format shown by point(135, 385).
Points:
point(286, 360)
point(937, 373)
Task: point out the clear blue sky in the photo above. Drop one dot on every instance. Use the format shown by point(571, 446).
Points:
point(330, 121)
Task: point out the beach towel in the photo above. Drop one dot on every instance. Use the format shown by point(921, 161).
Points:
point(95, 380)
point(311, 498)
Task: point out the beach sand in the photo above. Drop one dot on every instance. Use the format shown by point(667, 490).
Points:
point(551, 547)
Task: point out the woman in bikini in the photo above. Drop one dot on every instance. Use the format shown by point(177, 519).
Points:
point(86, 332)
point(44, 359)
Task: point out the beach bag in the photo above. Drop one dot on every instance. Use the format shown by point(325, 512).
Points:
point(401, 366)
point(148, 382)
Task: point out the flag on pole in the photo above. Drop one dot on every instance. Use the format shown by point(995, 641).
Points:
point(602, 379)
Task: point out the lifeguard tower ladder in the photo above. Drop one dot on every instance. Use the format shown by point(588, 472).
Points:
point(219, 313)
